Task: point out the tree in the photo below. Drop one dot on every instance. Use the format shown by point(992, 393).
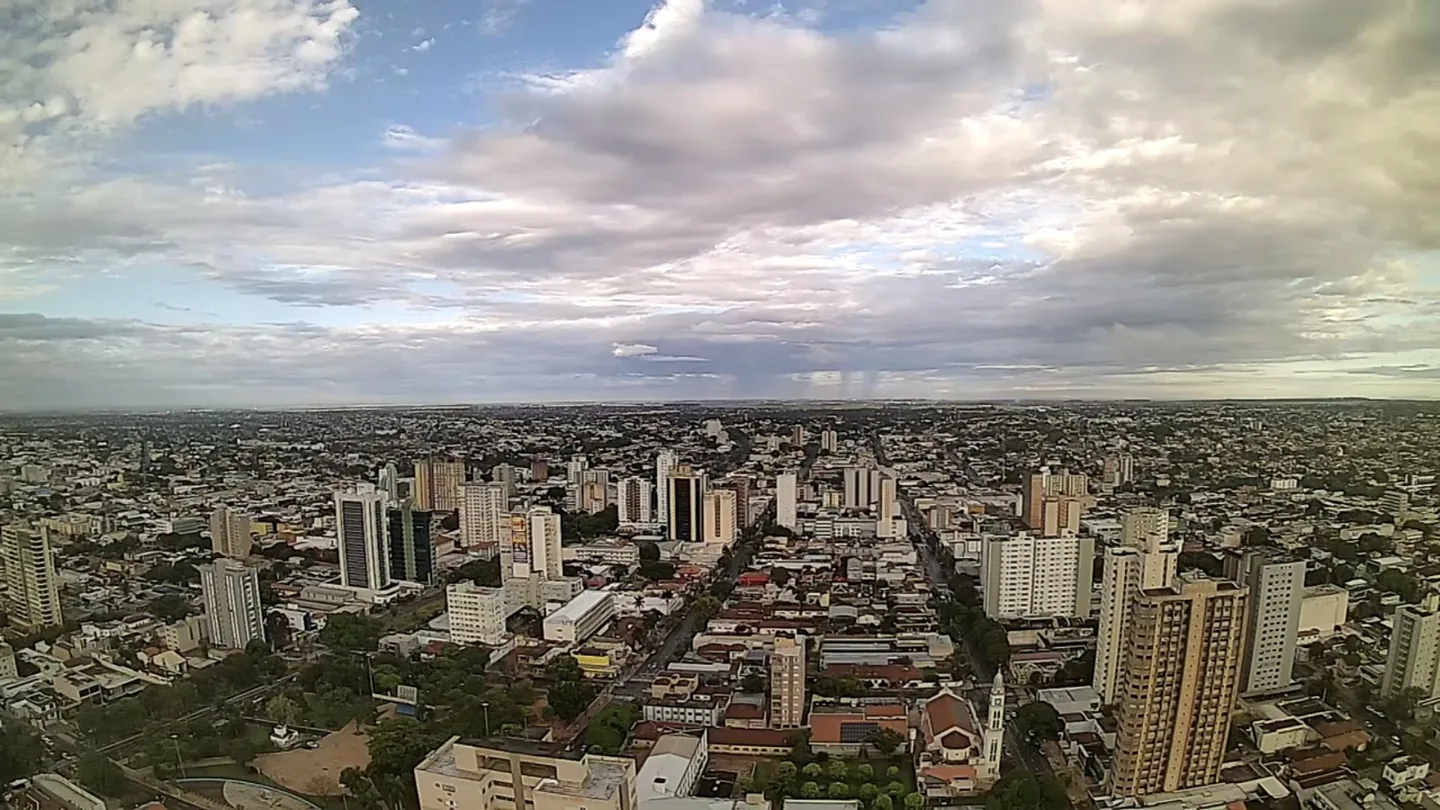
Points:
point(837, 770)
point(810, 790)
point(283, 710)
point(754, 682)
point(839, 790)
point(780, 577)
point(914, 801)
point(170, 607)
point(649, 551)
point(868, 792)
point(883, 802)
point(895, 789)
point(866, 771)
point(812, 771)
point(101, 775)
point(656, 571)
point(892, 772)
point(787, 770)
point(706, 607)
point(610, 728)
point(886, 740)
point(1023, 790)
point(351, 632)
point(485, 573)
point(1039, 721)
point(570, 699)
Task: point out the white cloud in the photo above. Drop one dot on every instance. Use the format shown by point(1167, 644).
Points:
point(632, 350)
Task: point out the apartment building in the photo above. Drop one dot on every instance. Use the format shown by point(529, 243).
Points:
point(1025, 576)
point(787, 682)
point(509, 774)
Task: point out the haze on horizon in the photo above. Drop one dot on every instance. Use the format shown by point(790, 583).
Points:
point(236, 203)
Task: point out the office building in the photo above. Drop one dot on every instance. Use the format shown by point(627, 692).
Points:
point(787, 682)
point(829, 441)
point(1067, 490)
point(862, 487)
point(664, 462)
point(484, 515)
point(437, 484)
point(360, 538)
point(412, 552)
point(230, 533)
point(32, 590)
point(231, 591)
point(719, 515)
point(1413, 660)
point(632, 501)
point(506, 773)
point(785, 501)
point(1146, 560)
point(580, 618)
point(1277, 588)
point(686, 519)
point(534, 548)
point(741, 484)
point(539, 471)
point(1178, 686)
point(1026, 576)
point(389, 482)
point(477, 615)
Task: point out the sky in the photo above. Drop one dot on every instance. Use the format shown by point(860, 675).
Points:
point(252, 203)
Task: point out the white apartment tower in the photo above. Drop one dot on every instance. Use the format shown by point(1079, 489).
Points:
point(1277, 588)
point(1026, 576)
point(484, 516)
point(541, 548)
point(862, 487)
point(231, 591)
point(785, 500)
point(665, 461)
point(1144, 560)
point(787, 682)
point(360, 532)
point(230, 533)
point(829, 441)
point(1413, 661)
point(477, 615)
point(719, 517)
point(32, 590)
point(632, 497)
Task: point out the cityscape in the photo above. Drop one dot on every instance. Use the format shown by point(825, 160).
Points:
point(722, 606)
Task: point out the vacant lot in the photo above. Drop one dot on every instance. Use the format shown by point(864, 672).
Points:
point(317, 772)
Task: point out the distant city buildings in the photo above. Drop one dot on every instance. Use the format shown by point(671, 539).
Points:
point(437, 484)
point(633, 497)
point(785, 496)
point(1052, 503)
point(231, 594)
point(665, 461)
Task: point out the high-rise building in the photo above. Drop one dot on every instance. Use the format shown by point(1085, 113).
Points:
point(1413, 661)
point(1066, 488)
point(412, 552)
point(231, 592)
point(741, 484)
point(537, 551)
point(594, 492)
point(437, 484)
point(633, 496)
point(484, 514)
point(1277, 589)
point(988, 770)
point(1118, 469)
point(885, 500)
point(664, 462)
point(787, 682)
point(1178, 684)
point(539, 471)
point(719, 515)
point(1027, 576)
point(32, 590)
point(686, 520)
point(1395, 502)
point(230, 533)
point(390, 482)
point(785, 500)
point(862, 487)
point(504, 475)
point(575, 468)
point(477, 615)
point(360, 533)
point(829, 441)
point(797, 436)
point(1146, 560)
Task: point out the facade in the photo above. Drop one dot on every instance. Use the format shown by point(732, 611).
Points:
point(231, 591)
point(720, 517)
point(1037, 576)
point(484, 515)
point(1146, 560)
point(360, 532)
point(1119, 469)
point(1178, 686)
point(1045, 485)
point(862, 487)
point(690, 712)
point(1277, 588)
point(580, 618)
point(437, 484)
point(230, 533)
point(785, 500)
point(741, 485)
point(32, 590)
point(8, 669)
point(829, 441)
point(988, 769)
point(1324, 609)
point(505, 774)
point(477, 615)
point(787, 682)
point(686, 519)
point(632, 497)
point(412, 552)
point(1413, 661)
point(673, 767)
point(665, 461)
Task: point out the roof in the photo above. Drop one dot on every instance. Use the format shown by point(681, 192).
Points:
point(769, 737)
point(946, 711)
point(583, 603)
point(664, 770)
point(744, 711)
point(948, 773)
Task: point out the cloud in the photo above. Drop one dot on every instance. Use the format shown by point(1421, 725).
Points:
point(1042, 197)
point(423, 45)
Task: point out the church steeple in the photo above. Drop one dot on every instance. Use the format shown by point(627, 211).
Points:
point(994, 731)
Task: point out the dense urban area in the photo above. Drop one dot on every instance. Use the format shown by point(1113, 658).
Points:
point(708, 607)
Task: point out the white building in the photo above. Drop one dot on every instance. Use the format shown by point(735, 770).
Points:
point(231, 592)
point(230, 533)
point(1277, 587)
point(672, 768)
point(477, 615)
point(1128, 570)
point(360, 531)
point(719, 516)
point(862, 487)
point(1413, 661)
point(484, 516)
point(664, 462)
point(633, 496)
point(580, 618)
point(785, 500)
point(1324, 609)
point(1026, 576)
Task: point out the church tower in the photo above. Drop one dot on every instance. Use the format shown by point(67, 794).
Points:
point(989, 770)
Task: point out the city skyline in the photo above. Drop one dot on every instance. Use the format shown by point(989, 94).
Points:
point(296, 203)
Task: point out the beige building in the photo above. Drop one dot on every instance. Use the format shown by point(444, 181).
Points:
point(484, 515)
point(511, 774)
point(787, 682)
point(720, 517)
point(437, 484)
point(1178, 686)
point(230, 533)
point(32, 590)
point(477, 615)
point(1144, 560)
point(1052, 503)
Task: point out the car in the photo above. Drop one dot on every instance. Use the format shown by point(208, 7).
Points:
point(310, 745)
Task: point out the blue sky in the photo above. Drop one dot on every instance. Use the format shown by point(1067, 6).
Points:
point(289, 202)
